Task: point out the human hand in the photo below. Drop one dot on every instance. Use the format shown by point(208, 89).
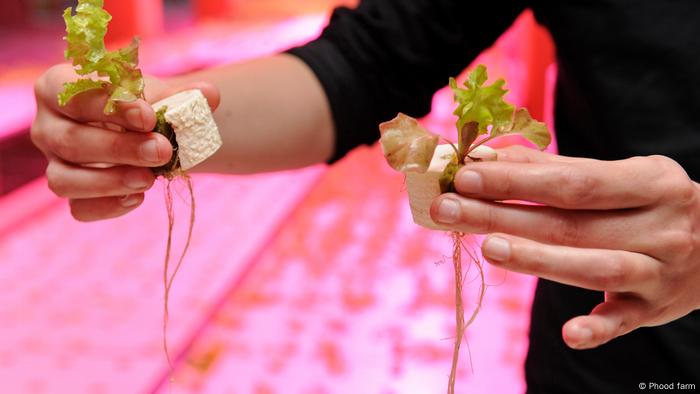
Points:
point(626, 227)
point(101, 162)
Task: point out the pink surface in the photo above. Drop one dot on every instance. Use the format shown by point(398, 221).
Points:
point(17, 101)
point(82, 303)
point(306, 282)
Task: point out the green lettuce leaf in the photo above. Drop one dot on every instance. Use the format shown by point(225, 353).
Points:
point(72, 89)
point(86, 31)
point(481, 104)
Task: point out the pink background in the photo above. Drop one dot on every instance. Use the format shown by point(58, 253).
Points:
point(310, 281)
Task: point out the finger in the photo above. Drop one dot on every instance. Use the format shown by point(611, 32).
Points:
point(89, 210)
point(587, 229)
point(79, 182)
point(89, 106)
point(594, 269)
point(483, 153)
point(79, 143)
point(586, 184)
point(521, 154)
point(606, 322)
point(210, 92)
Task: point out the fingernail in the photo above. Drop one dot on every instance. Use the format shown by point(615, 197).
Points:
point(586, 334)
point(136, 180)
point(448, 211)
point(135, 118)
point(583, 336)
point(130, 200)
point(496, 249)
point(469, 181)
point(149, 151)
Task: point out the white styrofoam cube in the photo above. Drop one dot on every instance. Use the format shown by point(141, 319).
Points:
point(195, 130)
point(424, 188)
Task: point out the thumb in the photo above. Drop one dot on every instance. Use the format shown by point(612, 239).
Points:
point(606, 322)
point(521, 154)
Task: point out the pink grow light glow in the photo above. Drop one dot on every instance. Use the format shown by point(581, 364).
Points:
point(308, 281)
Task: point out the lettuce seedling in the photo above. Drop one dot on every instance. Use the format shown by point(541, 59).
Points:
point(86, 31)
point(481, 111)
point(118, 74)
point(482, 115)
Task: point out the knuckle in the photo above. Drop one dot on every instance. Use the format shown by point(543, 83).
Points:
point(40, 86)
point(687, 192)
point(680, 243)
point(615, 273)
point(55, 180)
point(514, 153)
point(672, 183)
point(489, 220)
point(118, 148)
point(36, 134)
point(681, 189)
point(676, 179)
point(63, 145)
point(564, 230)
point(662, 162)
point(517, 149)
point(503, 187)
point(479, 219)
point(577, 188)
point(78, 212)
point(657, 314)
point(43, 84)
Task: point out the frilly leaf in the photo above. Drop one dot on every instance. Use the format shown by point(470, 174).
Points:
point(407, 146)
point(71, 89)
point(86, 31)
point(481, 104)
point(85, 35)
point(523, 124)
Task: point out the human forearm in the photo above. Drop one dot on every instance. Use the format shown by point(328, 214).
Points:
point(273, 115)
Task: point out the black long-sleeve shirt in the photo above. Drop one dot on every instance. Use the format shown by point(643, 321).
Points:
point(628, 84)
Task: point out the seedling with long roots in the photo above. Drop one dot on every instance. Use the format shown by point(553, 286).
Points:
point(482, 115)
point(117, 74)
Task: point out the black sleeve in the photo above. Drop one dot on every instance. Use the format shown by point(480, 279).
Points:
point(390, 56)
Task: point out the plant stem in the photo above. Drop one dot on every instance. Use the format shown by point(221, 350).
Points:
point(467, 135)
point(478, 144)
point(453, 147)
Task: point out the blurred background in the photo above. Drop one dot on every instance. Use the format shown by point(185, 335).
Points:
point(308, 281)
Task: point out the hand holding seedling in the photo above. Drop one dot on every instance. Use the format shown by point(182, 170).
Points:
point(79, 133)
point(430, 170)
point(624, 227)
point(105, 144)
